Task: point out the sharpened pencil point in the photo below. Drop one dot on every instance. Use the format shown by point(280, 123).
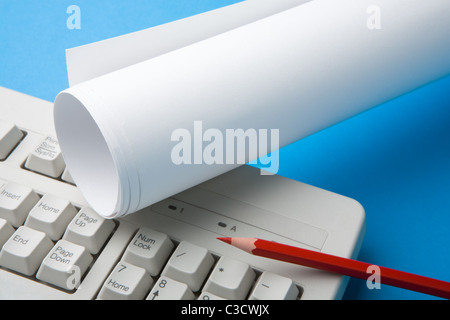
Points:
point(225, 239)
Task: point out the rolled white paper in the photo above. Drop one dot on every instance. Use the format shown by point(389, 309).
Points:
point(98, 58)
point(299, 71)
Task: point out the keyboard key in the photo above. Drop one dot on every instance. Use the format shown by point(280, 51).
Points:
point(126, 282)
point(15, 203)
point(149, 249)
point(10, 136)
point(67, 177)
point(209, 296)
point(189, 264)
point(51, 215)
point(65, 265)
point(169, 289)
point(271, 286)
point(24, 250)
point(230, 279)
point(89, 230)
point(6, 230)
point(46, 158)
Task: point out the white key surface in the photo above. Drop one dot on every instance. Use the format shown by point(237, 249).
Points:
point(149, 249)
point(6, 230)
point(230, 279)
point(126, 282)
point(10, 136)
point(67, 177)
point(65, 265)
point(46, 158)
point(16, 202)
point(209, 296)
point(189, 264)
point(169, 289)
point(51, 215)
point(89, 230)
point(25, 250)
point(271, 286)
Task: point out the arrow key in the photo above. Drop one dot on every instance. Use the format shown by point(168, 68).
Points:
point(169, 289)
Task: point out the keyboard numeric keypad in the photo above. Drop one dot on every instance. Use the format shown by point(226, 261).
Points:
point(149, 249)
point(126, 282)
point(271, 286)
point(169, 289)
point(230, 279)
point(189, 264)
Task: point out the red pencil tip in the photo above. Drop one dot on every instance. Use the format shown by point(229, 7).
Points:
point(225, 239)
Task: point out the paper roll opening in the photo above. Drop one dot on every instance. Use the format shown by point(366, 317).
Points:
point(87, 154)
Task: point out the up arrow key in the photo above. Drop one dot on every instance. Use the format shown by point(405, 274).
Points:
point(168, 289)
point(155, 294)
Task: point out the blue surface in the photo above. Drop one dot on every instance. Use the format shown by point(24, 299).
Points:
point(393, 159)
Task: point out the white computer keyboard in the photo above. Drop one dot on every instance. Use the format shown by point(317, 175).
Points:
point(53, 246)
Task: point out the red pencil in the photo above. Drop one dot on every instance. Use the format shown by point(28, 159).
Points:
point(343, 266)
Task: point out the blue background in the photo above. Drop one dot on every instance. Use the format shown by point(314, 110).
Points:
point(394, 159)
